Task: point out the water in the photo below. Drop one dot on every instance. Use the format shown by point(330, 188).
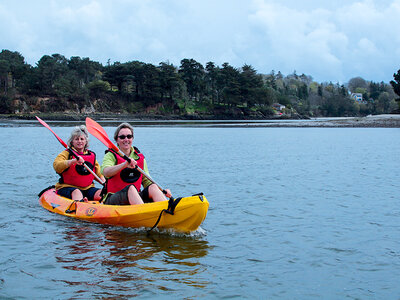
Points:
point(295, 213)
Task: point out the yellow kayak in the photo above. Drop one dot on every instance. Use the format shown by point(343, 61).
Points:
point(181, 214)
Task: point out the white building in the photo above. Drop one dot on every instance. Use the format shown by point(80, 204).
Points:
point(357, 97)
point(278, 106)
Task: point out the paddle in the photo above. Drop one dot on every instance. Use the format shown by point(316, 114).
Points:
point(69, 149)
point(95, 128)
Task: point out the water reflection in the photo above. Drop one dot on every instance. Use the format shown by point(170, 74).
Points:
point(175, 246)
point(80, 249)
point(130, 260)
point(155, 254)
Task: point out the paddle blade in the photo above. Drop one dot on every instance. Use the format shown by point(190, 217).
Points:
point(96, 130)
point(48, 127)
point(93, 124)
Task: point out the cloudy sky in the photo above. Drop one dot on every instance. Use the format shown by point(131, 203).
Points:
point(328, 40)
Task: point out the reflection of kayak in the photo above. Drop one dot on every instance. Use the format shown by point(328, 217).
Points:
point(186, 216)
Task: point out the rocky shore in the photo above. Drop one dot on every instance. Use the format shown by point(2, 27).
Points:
point(383, 121)
point(386, 121)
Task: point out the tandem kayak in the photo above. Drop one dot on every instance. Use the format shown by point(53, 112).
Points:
point(181, 214)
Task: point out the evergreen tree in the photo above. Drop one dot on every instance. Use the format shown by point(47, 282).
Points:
point(396, 83)
point(192, 73)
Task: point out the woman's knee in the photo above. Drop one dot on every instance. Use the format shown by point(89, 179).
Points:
point(97, 195)
point(153, 189)
point(132, 189)
point(76, 194)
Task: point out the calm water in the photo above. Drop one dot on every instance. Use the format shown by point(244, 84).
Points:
point(295, 213)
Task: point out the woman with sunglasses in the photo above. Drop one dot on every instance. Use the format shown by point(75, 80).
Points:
point(76, 182)
point(124, 181)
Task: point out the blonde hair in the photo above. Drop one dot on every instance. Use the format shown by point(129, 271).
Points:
point(121, 126)
point(78, 131)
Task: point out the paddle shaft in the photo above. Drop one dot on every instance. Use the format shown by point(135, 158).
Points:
point(70, 150)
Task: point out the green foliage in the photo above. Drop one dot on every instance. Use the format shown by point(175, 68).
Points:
point(5, 105)
point(85, 70)
point(12, 69)
point(190, 88)
point(50, 69)
point(357, 82)
point(170, 82)
point(283, 99)
point(192, 73)
point(231, 88)
point(360, 90)
point(63, 87)
point(396, 83)
point(98, 87)
point(267, 111)
point(135, 107)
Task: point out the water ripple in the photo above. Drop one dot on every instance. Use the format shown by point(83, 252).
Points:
point(294, 214)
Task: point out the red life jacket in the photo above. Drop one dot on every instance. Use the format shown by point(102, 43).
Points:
point(78, 175)
point(126, 176)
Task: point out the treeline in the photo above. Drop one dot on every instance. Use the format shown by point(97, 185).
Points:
point(58, 84)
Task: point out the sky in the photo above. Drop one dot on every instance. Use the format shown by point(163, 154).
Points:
point(331, 41)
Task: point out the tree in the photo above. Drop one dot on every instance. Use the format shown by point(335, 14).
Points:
point(302, 91)
point(211, 81)
point(50, 69)
point(169, 80)
point(251, 85)
point(396, 83)
point(4, 71)
point(357, 82)
point(5, 104)
point(98, 87)
point(270, 80)
point(320, 91)
point(135, 78)
point(12, 69)
point(307, 80)
point(385, 104)
point(192, 73)
point(115, 75)
point(151, 84)
point(86, 70)
point(231, 85)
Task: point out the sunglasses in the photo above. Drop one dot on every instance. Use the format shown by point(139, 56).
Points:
point(122, 137)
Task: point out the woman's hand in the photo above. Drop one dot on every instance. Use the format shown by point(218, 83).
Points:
point(132, 164)
point(168, 194)
point(79, 161)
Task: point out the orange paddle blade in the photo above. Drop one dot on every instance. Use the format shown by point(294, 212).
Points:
point(95, 128)
point(48, 127)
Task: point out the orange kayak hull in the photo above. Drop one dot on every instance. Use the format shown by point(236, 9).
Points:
point(189, 213)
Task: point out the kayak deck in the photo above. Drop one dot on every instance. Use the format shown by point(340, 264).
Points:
point(189, 213)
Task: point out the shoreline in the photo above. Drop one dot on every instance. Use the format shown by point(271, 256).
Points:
point(374, 121)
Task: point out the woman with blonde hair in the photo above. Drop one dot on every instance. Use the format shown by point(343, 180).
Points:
point(76, 182)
